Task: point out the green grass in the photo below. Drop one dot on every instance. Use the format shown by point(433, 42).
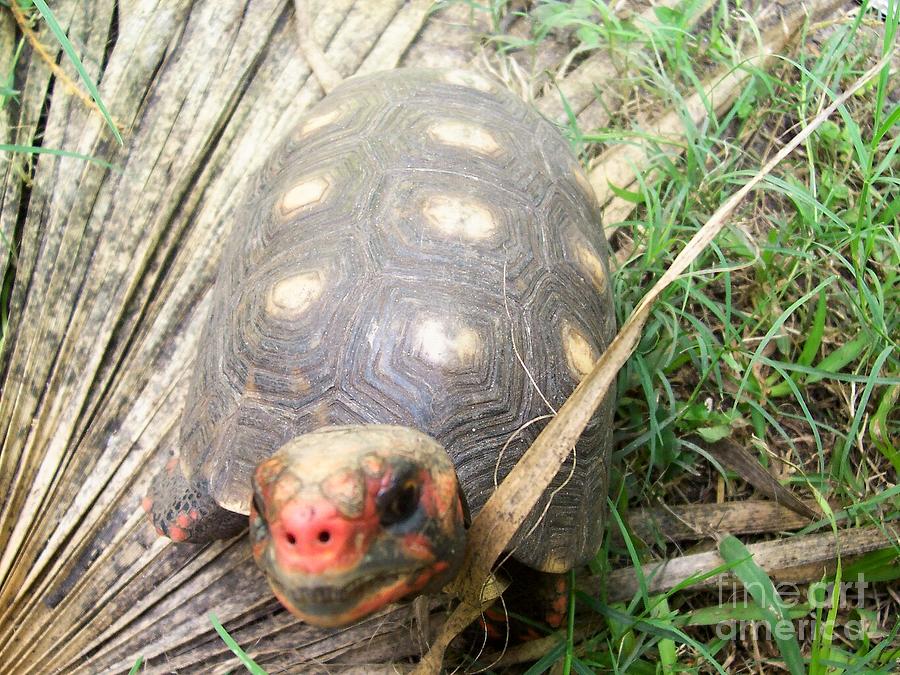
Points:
point(790, 344)
point(242, 656)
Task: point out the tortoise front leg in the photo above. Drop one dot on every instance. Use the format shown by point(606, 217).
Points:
point(183, 510)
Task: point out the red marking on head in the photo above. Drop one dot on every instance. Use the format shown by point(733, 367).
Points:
point(428, 574)
point(171, 465)
point(417, 546)
point(183, 520)
point(443, 492)
point(147, 504)
point(159, 531)
point(177, 534)
point(429, 497)
point(194, 514)
point(312, 537)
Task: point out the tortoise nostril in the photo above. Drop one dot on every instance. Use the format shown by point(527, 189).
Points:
point(291, 539)
point(324, 536)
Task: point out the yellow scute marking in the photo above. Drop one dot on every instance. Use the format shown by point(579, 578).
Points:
point(467, 344)
point(555, 564)
point(290, 297)
point(465, 218)
point(304, 193)
point(580, 356)
point(447, 344)
point(591, 262)
point(318, 121)
point(464, 135)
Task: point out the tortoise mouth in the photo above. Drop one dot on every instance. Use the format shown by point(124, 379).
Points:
point(337, 602)
point(329, 597)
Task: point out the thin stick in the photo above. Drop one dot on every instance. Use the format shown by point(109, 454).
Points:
point(795, 559)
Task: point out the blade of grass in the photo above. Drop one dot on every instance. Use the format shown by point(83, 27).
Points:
point(544, 663)
point(838, 460)
point(247, 662)
point(668, 658)
point(762, 590)
point(712, 616)
point(879, 430)
point(34, 150)
point(821, 374)
point(816, 331)
point(60, 34)
point(824, 636)
point(570, 626)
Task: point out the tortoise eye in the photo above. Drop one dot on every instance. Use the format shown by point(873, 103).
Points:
point(398, 503)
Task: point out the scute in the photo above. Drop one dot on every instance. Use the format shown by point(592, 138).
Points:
point(403, 289)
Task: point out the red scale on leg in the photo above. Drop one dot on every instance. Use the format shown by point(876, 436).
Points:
point(559, 602)
point(494, 623)
point(177, 534)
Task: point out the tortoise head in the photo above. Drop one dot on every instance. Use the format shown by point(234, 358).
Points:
point(346, 520)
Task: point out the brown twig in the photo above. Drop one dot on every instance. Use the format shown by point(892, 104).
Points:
point(800, 559)
point(694, 521)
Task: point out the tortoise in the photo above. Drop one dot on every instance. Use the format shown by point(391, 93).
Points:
point(417, 279)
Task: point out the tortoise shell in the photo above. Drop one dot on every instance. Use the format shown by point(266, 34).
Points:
point(423, 251)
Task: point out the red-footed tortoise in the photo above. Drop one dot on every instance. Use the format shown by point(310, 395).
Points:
point(417, 280)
